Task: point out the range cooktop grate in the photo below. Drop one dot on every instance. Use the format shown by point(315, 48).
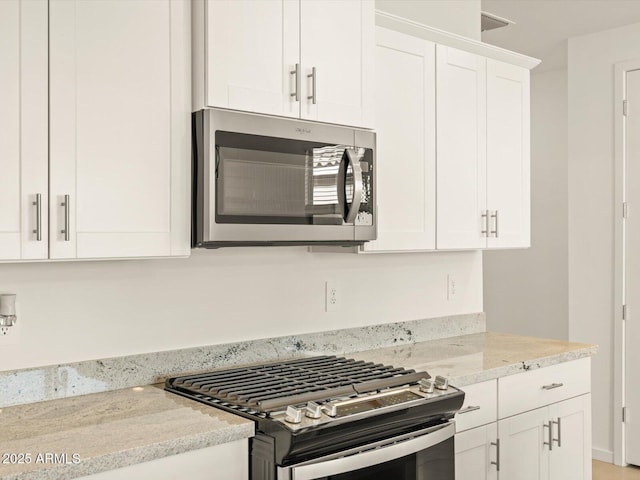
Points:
point(268, 387)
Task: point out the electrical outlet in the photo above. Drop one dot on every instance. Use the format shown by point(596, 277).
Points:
point(331, 297)
point(10, 335)
point(452, 287)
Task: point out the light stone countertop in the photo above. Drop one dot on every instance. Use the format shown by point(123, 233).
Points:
point(124, 427)
point(111, 430)
point(474, 358)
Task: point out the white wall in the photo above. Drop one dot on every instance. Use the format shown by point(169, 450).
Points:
point(455, 16)
point(76, 311)
point(526, 291)
point(591, 205)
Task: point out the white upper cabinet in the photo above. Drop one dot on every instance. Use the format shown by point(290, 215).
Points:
point(23, 130)
point(309, 59)
point(119, 128)
point(252, 47)
point(337, 58)
point(461, 148)
point(483, 152)
point(405, 126)
point(508, 164)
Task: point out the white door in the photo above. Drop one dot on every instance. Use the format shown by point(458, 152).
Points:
point(119, 128)
point(337, 40)
point(476, 453)
point(523, 454)
point(461, 148)
point(23, 129)
point(571, 454)
point(632, 267)
point(508, 164)
point(405, 156)
point(252, 48)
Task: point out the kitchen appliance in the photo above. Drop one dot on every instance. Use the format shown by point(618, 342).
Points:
point(332, 418)
point(262, 180)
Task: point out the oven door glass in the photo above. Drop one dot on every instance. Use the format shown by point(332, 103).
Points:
point(432, 458)
point(266, 180)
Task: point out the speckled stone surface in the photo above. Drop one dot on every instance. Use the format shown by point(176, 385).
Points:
point(111, 430)
point(60, 381)
point(478, 357)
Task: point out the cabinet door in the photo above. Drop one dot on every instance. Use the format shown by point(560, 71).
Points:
point(476, 449)
point(120, 128)
point(337, 39)
point(523, 455)
point(405, 126)
point(23, 129)
point(461, 148)
point(252, 46)
point(571, 454)
point(508, 164)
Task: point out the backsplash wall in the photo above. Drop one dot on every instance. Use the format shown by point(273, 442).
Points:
point(75, 311)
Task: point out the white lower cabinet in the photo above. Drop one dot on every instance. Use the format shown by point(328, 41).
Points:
point(543, 430)
point(477, 453)
point(228, 461)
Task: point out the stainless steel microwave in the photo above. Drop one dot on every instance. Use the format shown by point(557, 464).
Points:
point(261, 180)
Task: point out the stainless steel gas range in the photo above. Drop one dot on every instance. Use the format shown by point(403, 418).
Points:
point(332, 418)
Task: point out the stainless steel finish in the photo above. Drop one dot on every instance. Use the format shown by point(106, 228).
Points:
point(331, 409)
point(485, 227)
point(559, 424)
point(442, 383)
point(548, 426)
point(293, 415)
point(426, 385)
point(296, 72)
point(497, 462)
point(216, 119)
point(468, 409)
point(313, 76)
point(494, 216)
point(370, 454)
point(313, 410)
point(552, 386)
point(66, 232)
point(351, 157)
point(38, 205)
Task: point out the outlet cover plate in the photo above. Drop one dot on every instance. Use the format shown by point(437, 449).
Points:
point(10, 335)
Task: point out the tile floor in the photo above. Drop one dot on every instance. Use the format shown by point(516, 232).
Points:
point(606, 471)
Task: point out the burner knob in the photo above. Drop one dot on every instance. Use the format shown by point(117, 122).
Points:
point(293, 415)
point(426, 386)
point(330, 409)
point(442, 383)
point(313, 410)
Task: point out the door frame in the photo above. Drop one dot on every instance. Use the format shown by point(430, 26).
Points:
point(619, 437)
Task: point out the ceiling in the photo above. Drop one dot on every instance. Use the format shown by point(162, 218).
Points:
point(543, 26)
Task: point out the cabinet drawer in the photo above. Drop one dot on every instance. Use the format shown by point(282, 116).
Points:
point(536, 388)
point(480, 405)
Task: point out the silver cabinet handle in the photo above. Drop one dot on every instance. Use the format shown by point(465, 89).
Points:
point(313, 76)
point(468, 409)
point(494, 217)
point(550, 442)
point(296, 72)
point(484, 223)
point(552, 386)
point(65, 204)
point(38, 205)
point(497, 462)
point(559, 424)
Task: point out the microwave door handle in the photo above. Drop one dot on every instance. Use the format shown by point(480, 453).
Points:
point(351, 158)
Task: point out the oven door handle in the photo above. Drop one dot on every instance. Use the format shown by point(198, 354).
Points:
point(350, 157)
point(374, 456)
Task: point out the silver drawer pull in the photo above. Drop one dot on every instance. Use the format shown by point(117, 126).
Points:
point(497, 462)
point(38, 205)
point(468, 409)
point(559, 424)
point(66, 206)
point(552, 386)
